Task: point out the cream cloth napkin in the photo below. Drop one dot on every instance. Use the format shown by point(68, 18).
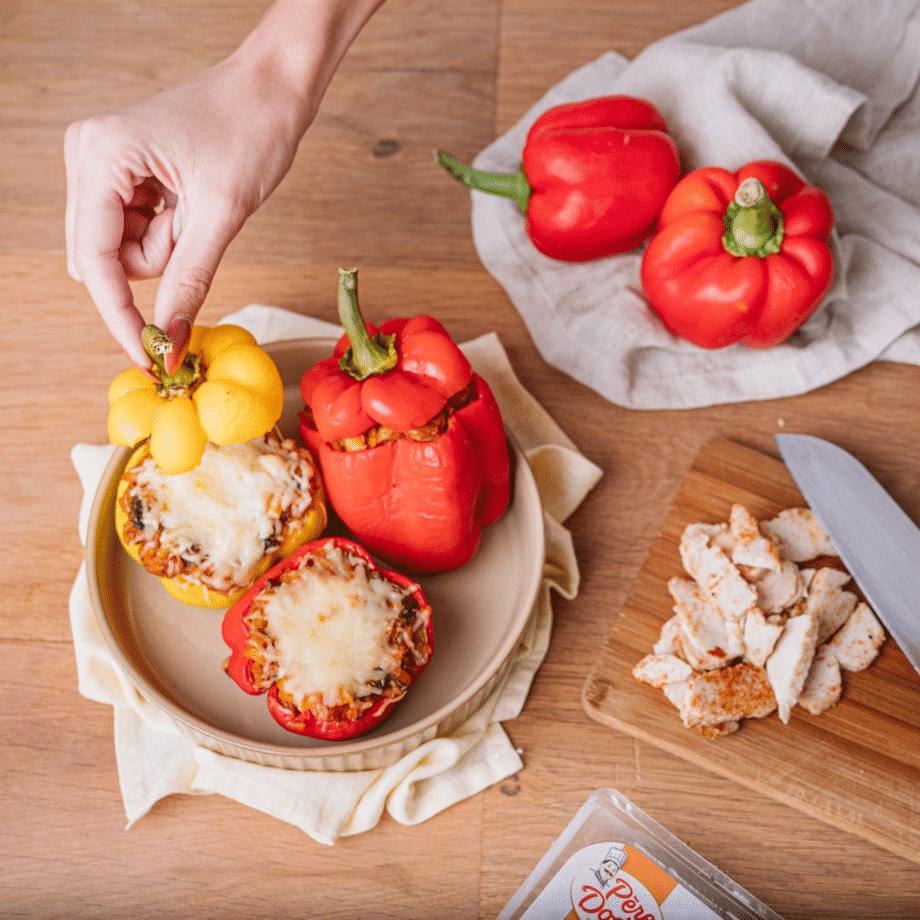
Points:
point(827, 86)
point(154, 761)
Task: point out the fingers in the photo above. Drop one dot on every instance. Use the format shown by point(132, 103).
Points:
point(71, 162)
point(147, 242)
point(202, 238)
point(95, 226)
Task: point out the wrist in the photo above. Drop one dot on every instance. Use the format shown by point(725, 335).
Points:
point(298, 45)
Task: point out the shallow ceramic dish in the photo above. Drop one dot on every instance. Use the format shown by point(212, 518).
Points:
point(174, 654)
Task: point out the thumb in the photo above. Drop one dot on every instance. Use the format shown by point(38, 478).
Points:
point(188, 275)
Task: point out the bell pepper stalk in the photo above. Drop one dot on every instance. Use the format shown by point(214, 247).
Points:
point(190, 592)
point(226, 390)
point(739, 257)
point(409, 439)
point(237, 630)
point(593, 177)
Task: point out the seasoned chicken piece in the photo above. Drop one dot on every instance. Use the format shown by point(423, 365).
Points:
point(716, 731)
point(715, 573)
point(800, 534)
point(726, 695)
point(751, 548)
point(669, 639)
point(659, 670)
point(780, 588)
point(719, 535)
point(827, 602)
point(789, 664)
point(675, 692)
point(751, 631)
point(859, 639)
point(760, 637)
point(734, 630)
point(707, 643)
point(824, 684)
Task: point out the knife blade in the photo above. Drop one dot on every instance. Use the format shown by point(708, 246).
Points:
point(877, 542)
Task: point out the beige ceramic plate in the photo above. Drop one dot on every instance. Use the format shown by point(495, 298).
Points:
point(174, 653)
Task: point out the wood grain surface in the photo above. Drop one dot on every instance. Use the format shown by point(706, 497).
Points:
point(363, 191)
point(856, 766)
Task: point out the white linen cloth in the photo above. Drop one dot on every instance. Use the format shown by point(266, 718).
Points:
point(155, 761)
point(828, 87)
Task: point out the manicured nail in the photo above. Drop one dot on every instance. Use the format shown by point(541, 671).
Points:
point(143, 368)
point(180, 331)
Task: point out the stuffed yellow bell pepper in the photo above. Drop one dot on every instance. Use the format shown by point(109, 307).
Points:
point(212, 496)
point(209, 533)
point(227, 390)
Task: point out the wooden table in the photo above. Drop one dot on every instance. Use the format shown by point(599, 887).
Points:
point(363, 191)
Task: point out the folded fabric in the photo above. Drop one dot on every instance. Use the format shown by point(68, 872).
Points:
point(155, 761)
point(768, 80)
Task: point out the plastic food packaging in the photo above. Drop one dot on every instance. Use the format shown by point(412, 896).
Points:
point(613, 862)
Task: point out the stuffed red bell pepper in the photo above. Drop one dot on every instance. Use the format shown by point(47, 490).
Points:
point(409, 439)
point(593, 177)
point(333, 639)
point(740, 257)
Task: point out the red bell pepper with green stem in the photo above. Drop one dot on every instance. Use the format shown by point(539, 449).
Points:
point(740, 257)
point(593, 177)
point(409, 438)
point(254, 647)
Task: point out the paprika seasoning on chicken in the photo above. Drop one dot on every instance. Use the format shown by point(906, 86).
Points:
point(409, 439)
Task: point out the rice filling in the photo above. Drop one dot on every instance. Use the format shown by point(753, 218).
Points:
point(215, 524)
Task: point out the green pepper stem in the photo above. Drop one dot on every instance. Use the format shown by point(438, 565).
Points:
point(368, 355)
point(157, 344)
point(753, 224)
point(510, 185)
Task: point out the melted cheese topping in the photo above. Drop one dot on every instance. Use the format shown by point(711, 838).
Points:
point(329, 627)
point(223, 514)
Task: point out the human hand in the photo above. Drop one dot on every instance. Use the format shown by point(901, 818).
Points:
point(161, 188)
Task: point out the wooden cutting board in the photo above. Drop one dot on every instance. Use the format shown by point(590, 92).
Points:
point(856, 766)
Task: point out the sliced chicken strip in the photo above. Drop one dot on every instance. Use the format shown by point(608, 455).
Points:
point(789, 664)
point(669, 639)
point(706, 639)
point(780, 588)
point(760, 637)
point(659, 670)
point(824, 685)
point(727, 695)
point(751, 548)
point(828, 602)
point(719, 535)
point(714, 572)
point(800, 534)
point(675, 692)
point(858, 641)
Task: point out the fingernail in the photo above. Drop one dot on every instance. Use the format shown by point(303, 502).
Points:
point(180, 331)
point(143, 368)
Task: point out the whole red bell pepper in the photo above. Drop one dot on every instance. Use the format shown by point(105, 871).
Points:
point(343, 721)
point(409, 439)
point(740, 257)
point(593, 177)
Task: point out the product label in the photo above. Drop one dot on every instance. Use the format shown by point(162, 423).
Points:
point(613, 881)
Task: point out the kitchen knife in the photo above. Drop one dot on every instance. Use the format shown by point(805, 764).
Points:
point(877, 542)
